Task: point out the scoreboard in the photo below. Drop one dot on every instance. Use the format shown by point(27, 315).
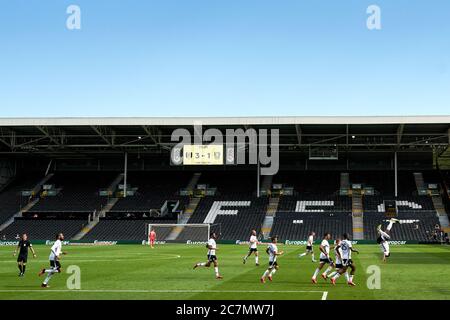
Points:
point(203, 155)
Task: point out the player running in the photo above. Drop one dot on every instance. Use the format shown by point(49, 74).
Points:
point(384, 237)
point(212, 258)
point(55, 256)
point(338, 258)
point(272, 251)
point(309, 247)
point(253, 248)
point(324, 258)
point(23, 246)
point(347, 249)
point(152, 238)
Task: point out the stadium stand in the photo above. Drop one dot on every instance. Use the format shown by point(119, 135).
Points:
point(240, 210)
point(43, 229)
point(77, 192)
point(296, 226)
point(152, 190)
point(11, 200)
point(310, 183)
point(315, 204)
point(124, 230)
point(414, 225)
point(234, 209)
point(404, 204)
point(235, 220)
point(128, 218)
point(383, 182)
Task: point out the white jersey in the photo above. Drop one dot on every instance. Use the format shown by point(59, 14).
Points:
point(253, 242)
point(384, 236)
point(273, 250)
point(346, 247)
point(326, 246)
point(338, 258)
point(55, 250)
point(310, 241)
point(212, 244)
point(384, 244)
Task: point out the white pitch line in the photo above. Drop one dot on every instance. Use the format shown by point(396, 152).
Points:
point(324, 295)
point(167, 291)
point(106, 259)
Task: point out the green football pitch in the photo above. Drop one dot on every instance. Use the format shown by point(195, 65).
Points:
point(138, 272)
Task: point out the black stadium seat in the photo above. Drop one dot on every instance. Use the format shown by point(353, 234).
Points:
point(11, 200)
point(314, 206)
point(40, 229)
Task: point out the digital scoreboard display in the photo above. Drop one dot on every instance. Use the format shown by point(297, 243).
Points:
point(203, 155)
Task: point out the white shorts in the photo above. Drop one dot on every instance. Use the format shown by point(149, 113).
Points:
point(385, 248)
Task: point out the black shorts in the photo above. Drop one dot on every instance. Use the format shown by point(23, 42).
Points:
point(328, 261)
point(212, 258)
point(55, 264)
point(348, 262)
point(339, 266)
point(22, 258)
point(273, 264)
point(309, 248)
point(253, 250)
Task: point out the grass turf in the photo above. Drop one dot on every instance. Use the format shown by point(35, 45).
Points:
point(137, 272)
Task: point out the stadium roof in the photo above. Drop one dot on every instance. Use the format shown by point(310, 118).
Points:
point(296, 134)
point(183, 121)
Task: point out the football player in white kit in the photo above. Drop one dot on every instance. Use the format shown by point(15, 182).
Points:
point(253, 248)
point(272, 251)
point(309, 247)
point(384, 237)
point(338, 258)
point(324, 258)
point(347, 248)
point(212, 258)
point(55, 265)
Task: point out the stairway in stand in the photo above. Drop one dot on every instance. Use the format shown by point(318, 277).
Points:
point(357, 216)
point(441, 212)
point(270, 214)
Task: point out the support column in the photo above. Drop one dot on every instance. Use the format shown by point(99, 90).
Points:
point(396, 173)
point(125, 175)
point(257, 179)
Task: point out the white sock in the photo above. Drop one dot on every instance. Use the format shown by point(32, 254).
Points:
point(216, 269)
point(266, 273)
point(313, 259)
point(273, 272)
point(47, 279)
point(346, 277)
point(256, 259)
point(336, 276)
point(327, 270)
point(316, 273)
point(201, 264)
point(245, 258)
point(303, 254)
point(351, 278)
point(332, 274)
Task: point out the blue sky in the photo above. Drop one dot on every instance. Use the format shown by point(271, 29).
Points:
point(224, 58)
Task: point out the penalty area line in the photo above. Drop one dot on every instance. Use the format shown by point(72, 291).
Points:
point(324, 295)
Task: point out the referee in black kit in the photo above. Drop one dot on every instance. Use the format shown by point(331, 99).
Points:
point(23, 246)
